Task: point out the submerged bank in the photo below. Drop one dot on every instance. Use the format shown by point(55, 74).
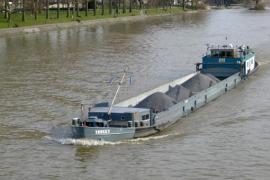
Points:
point(92, 22)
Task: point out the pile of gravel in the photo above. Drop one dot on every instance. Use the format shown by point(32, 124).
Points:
point(178, 93)
point(157, 102)
point(200, 82)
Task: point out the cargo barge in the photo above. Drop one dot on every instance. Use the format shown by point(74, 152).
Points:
point(221, 69)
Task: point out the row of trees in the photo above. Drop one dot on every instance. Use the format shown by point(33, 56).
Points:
point(73, 8)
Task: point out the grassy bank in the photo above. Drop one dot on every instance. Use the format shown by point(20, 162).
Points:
point(16, 18)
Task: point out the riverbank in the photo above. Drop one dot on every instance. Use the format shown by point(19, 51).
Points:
point(135, 16)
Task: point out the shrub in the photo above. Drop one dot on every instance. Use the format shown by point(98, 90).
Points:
point(202, 5)
point(259, 6)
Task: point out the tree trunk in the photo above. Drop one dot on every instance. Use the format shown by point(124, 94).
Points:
point(35, 9)
point(95, 7)
point(6, 9)
point(102, 7)
point(86, 7)
point(110, 6)
point(68, 9)
point(40, 6)
point(124, 6)
point(77, 8)
point(116, 6)
point(163, 5)
point(47, 9)
point(23, 10)
point(58, 9)
point(183, 4)
point(257, 2)
point(130, 6)
point(73, 9)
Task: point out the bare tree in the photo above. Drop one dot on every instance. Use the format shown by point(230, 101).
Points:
point(23, 10)
point(95, 7)
point(6, 9)
point(86, 7)
point(183, 4)
point(73, 8)
point(110, 6)
point(77, 8)
point(124, 6)
point(102, 7)
point(130, 6)
point(34, 10)
point(47, 9)
point(68, 9)
point(116, 6)
point(257, 2)
point(58, 9)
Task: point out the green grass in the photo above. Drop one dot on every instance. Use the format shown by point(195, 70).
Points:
point(16, 18)
point(172, 10)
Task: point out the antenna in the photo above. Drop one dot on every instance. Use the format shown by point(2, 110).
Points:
point(118, 88)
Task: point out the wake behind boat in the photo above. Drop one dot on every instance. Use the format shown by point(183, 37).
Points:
point(221, 69)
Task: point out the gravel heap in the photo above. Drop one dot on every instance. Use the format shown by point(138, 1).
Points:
point(157, 102)
point(178, 93)
point(200, 82)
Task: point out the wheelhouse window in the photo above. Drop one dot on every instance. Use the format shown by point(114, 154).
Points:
point(145, 117)
point(229, 54)
point(99, 124)
point(90, 124)
point(226, 53)
point(214, 53)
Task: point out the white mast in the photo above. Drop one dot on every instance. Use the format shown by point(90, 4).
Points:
point(118, 88)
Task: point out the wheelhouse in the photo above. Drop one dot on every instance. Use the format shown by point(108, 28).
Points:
point(227, 60)
point(119, 117)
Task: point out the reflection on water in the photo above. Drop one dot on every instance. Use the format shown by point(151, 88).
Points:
point(85, 154)
point(45, 76)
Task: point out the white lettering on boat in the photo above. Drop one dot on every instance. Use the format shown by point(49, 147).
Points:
point(250, 64)
point(222, 60)
point(102, 131)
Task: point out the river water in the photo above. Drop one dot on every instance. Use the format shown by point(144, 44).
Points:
point(44, 77)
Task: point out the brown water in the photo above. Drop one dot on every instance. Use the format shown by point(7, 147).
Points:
point(45, 76)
